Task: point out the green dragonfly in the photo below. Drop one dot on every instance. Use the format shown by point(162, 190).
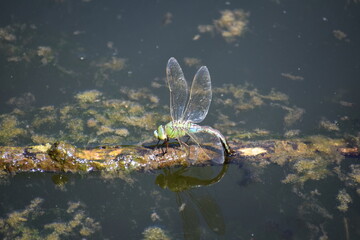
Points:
point(187, 110)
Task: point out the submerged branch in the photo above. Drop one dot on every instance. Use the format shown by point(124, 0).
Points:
point(63, 157)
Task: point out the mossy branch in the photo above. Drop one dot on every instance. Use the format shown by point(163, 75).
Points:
point(63, 157)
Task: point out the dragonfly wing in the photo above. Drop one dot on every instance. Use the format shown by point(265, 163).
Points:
point(178, 89)
point(205, 147)
point(211, 212)
point(200, 97)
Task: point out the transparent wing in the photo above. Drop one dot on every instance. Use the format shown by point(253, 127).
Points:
point(178, 89)
point(210, 210)
point(200, 97)
point(206, 147)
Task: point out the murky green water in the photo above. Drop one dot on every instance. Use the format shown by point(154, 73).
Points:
point(92, 73)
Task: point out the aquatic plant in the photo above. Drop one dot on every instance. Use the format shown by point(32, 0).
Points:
point(230, 25)
point(155, 233)
point(192, 62)
point(90, 96)
point(46, 54)
point(344, 199)
point(330, 126)
point(245, 97)
point(10, 129)
point(19, 224)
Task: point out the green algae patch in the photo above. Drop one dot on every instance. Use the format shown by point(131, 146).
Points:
point(91, 120)
point(89, 96)
point(19, 224)
point(155, 233)
point(10, 129)
point(231, 25)
point(244, 97)
point(344, 199)
point(46, 54)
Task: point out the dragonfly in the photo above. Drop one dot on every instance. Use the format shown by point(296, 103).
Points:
point(189, 109)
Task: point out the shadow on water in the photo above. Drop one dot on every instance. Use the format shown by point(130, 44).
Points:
point(191, 203)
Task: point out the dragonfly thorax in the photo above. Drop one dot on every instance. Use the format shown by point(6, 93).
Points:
point(172, 129)
point(177, 129)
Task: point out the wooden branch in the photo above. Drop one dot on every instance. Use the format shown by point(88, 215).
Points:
point(63, 157)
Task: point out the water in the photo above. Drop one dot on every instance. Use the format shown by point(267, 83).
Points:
point(308, 50)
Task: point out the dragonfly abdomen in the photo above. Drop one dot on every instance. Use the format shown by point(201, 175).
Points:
point(196, 128)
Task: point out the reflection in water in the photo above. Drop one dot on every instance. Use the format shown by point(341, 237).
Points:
point(181, 182)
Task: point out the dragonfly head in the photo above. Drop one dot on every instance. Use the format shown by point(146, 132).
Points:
point(160, 133)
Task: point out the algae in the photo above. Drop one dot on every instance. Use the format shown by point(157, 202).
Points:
point(19, 224)
point(329, 126)
point(231, 24)
point(155, 233)
point(344, 199)
point(46, 54)
point(192, 62)
point(10, 130)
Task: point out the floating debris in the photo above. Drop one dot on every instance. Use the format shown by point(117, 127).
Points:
point(167, 18)
point(292, 77)
point(294, 115)
point(231, 24)
point(114, 64)
point(89, 96)
point(139, 94)
point(79, 225)
point(340, 35)
point(10, 130)
point(155, 217)
point(155, 233)
point(330, 126)
point(196, 37)
point(7, 34)
point(192, 62)
point(46, 54)
point(346, 104)
point(292, 133)
point(19, 224)
point(243, 97)
point(344, 199)
point(156, 84)
point(23, 102)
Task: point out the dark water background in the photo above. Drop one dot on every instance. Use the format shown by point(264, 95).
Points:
point(295, 37)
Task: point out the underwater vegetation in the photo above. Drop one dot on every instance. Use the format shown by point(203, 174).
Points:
point(192, 62)
point(10, 130)
point(46, 54)
point(245, 97)
point(155, 233)
point(344, 199)
point(231, 25)
point(72, 223)
point(329, 126)
point(91, 119)
point(95, 119)
point(292, 77)
point(309, 160)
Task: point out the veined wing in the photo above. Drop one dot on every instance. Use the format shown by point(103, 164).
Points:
point(178, 89)
point(200, 97)
point(207, 147)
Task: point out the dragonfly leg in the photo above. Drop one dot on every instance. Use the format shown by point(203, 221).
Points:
point(167, 146)
point(186, 146)
point(187, 140)
point(166, 142)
